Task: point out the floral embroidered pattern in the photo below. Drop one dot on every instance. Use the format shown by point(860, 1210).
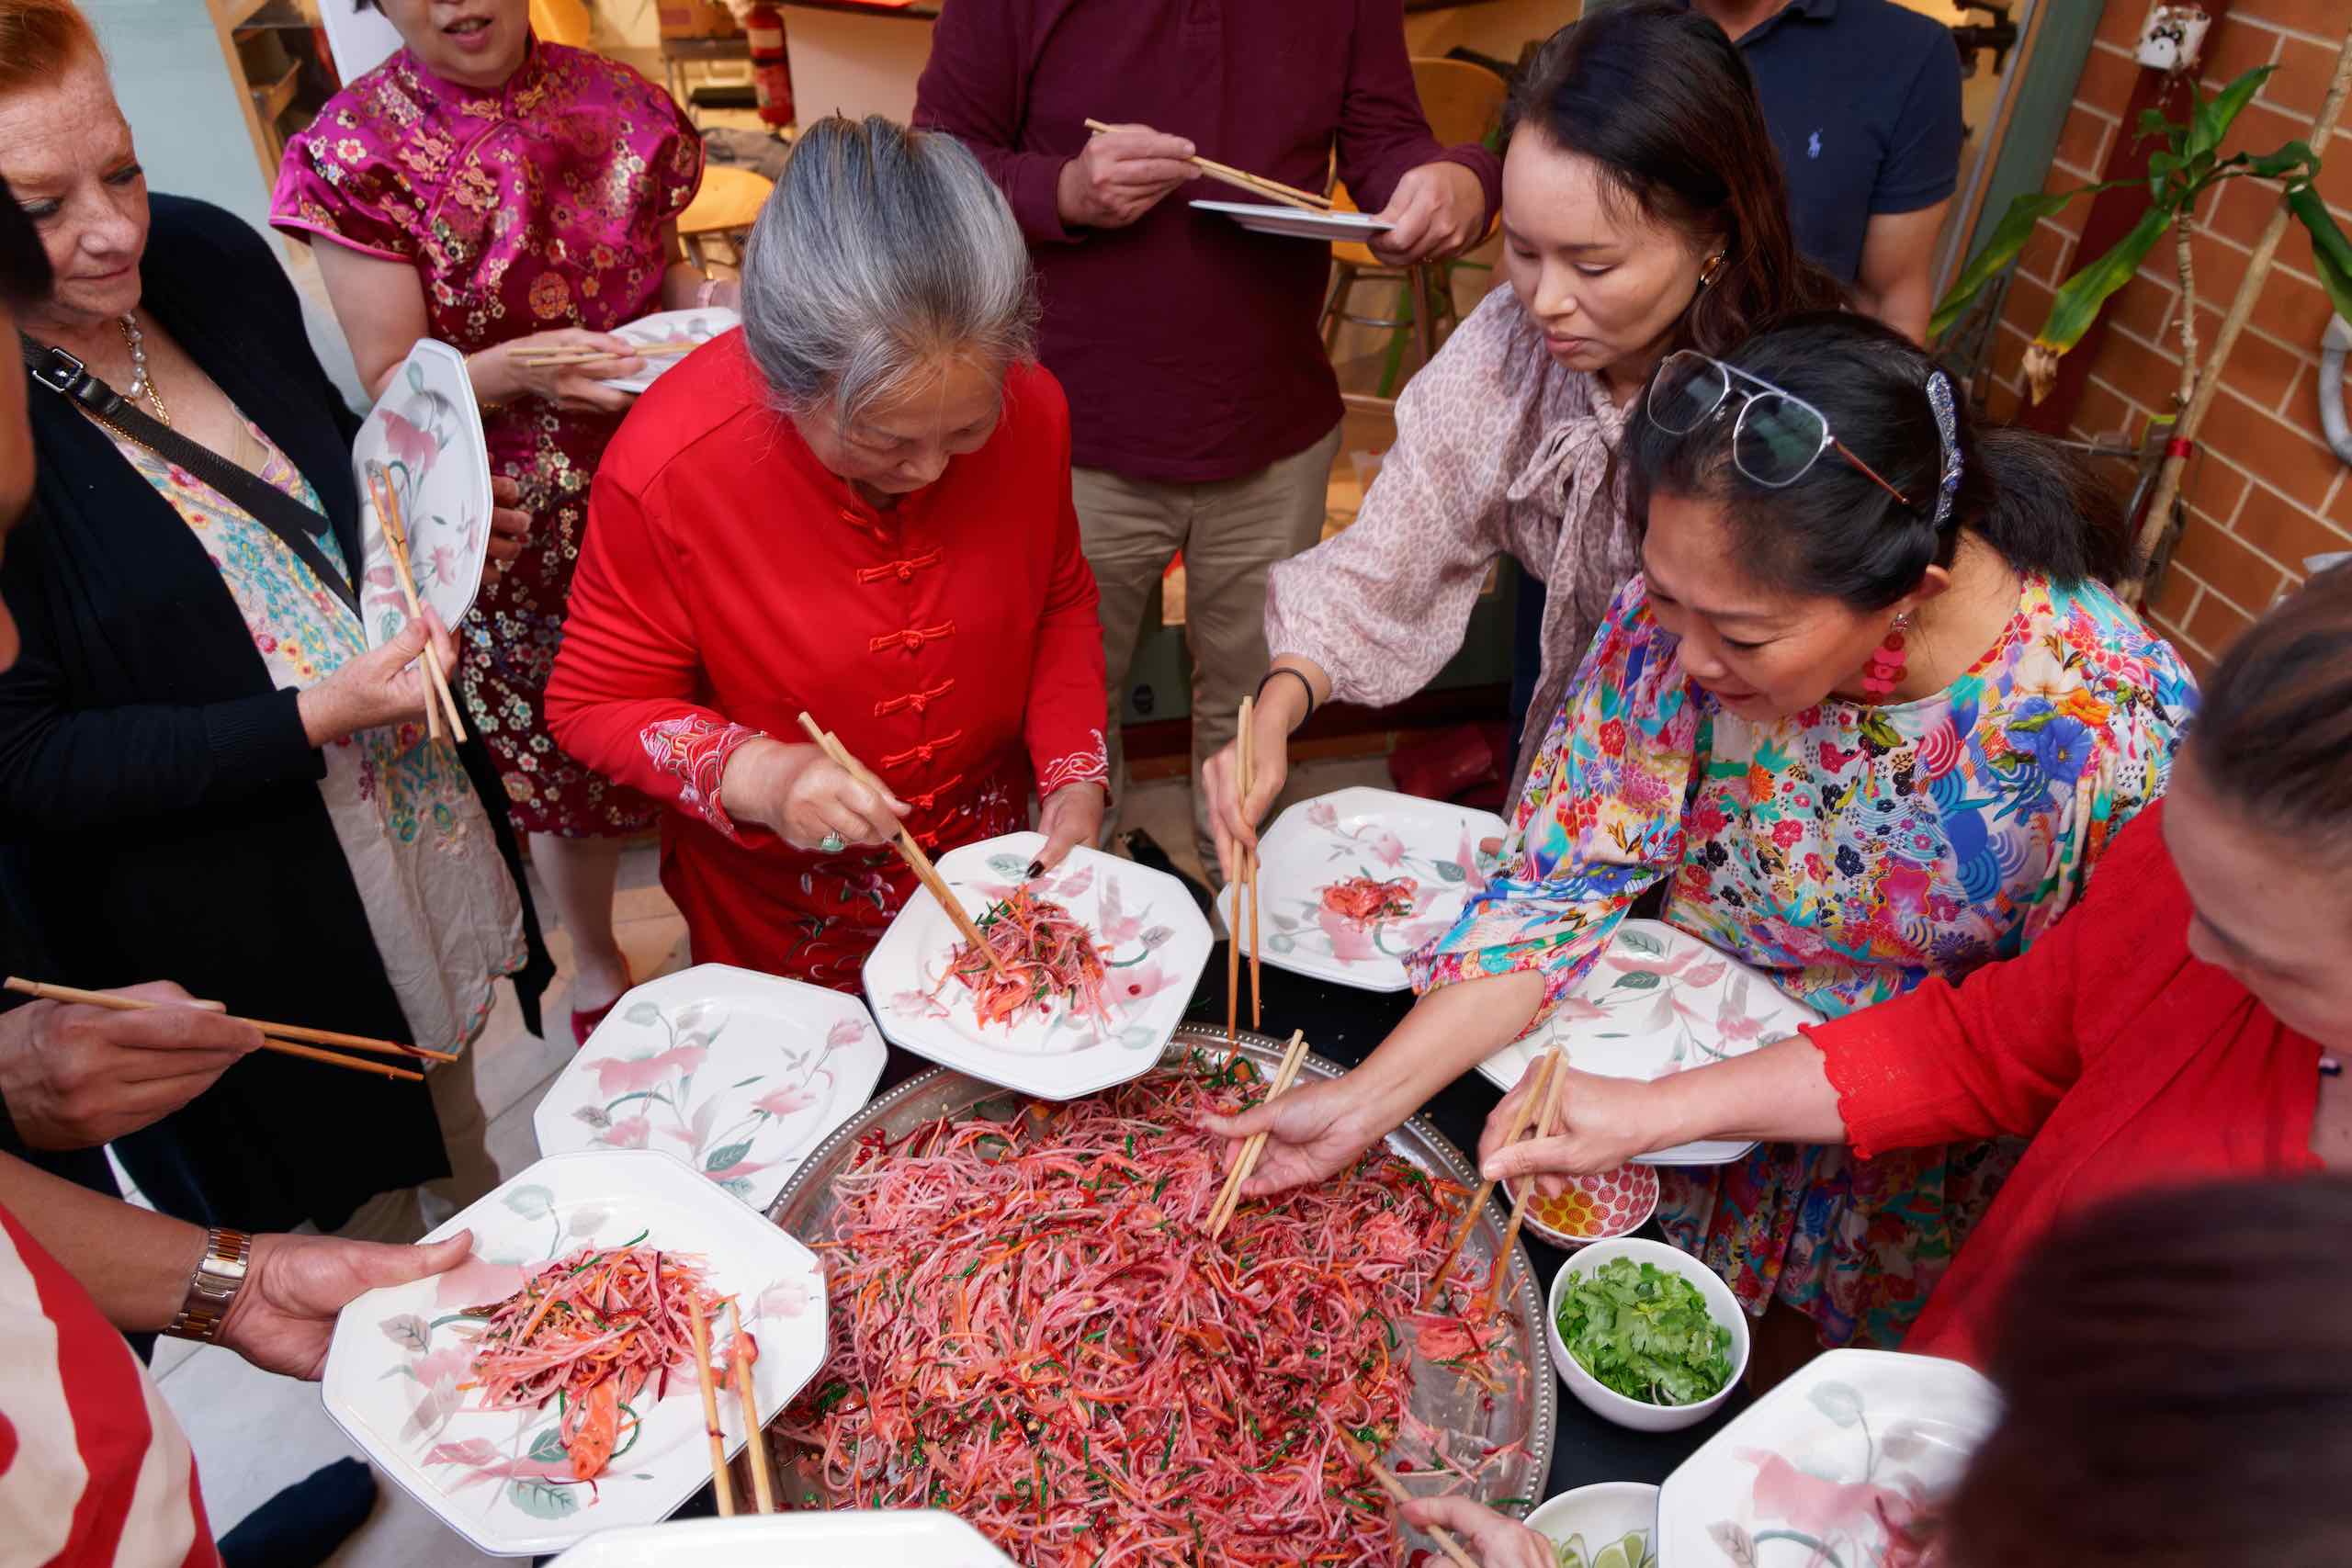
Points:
point(1088, 766)
point(694, 749)
point(1848, 851)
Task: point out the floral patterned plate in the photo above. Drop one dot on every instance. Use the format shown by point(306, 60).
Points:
point(1659, 1001)
point(737, 1073)
point(667, 326)
point(1818, 1470)
point(924, 1538)
point(1363, 836)
point(1158, 944)
point(425, 433)
point(500, 1479)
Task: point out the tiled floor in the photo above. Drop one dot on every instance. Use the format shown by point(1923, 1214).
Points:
point(255, 1434)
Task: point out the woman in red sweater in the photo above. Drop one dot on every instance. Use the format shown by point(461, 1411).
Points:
point(858, 506)
point(2172, 1027)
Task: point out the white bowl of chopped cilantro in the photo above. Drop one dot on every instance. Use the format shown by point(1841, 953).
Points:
point(1646, 1334)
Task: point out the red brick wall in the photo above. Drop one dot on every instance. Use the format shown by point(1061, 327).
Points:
point(2263, 491)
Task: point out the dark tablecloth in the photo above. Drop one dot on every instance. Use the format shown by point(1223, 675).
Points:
point(1344, 1025)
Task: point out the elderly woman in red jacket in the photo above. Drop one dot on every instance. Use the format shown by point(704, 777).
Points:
point(857, 506)
point(2173, 1026)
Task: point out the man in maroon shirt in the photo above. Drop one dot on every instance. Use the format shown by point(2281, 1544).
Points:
point(1203, 414)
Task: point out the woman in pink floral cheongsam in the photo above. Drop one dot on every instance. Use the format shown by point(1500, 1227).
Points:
point(503, 195)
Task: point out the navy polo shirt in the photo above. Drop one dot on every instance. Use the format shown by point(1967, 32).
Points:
point(1862, 98)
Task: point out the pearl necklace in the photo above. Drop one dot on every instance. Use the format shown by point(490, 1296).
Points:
point(140, 386)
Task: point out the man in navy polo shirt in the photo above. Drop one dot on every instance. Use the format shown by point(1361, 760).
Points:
point(1863, 97)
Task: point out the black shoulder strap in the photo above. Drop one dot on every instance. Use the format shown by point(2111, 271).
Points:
point(296, 523)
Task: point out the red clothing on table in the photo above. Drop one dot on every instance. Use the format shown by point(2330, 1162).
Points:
point(730, 581)
point(1190, 349)
point(2130, 1062)
point(93, 1468)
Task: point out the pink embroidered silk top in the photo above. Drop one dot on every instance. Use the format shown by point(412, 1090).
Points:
point(533, 206)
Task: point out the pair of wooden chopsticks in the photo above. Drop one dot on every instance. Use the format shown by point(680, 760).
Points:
point(1545, 1125)
point(663, 350)
point(1256, 184)
point(738, 1373)
point(437, 700)
point(277, 1037)
point(1228, 1200)
point(1396, 1489)
point(1539, 1095)
point(908, 850)
point(1245, 761)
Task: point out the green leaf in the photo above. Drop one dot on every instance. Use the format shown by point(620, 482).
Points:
point(2295, 161)
point(534, 1203)
point(2001, 248)
point(2080, 297)
point(1447, 871)
point(2154, 123)
point(726, 1155)
point(2330, 249)
point(2162, 167)
point(2210, 124)
point(1636, 980)
point(1642, 942)
point(543, 1499)
point(547, 1447)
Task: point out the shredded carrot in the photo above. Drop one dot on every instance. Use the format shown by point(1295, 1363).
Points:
point(1043, 954)
point(590, 1328)
point(1364, 900)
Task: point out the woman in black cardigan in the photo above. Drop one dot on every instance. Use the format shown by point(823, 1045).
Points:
point(161, 803)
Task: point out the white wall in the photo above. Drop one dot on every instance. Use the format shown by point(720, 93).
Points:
point(177, 91)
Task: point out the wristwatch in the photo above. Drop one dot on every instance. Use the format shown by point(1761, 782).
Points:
point(219, 1274)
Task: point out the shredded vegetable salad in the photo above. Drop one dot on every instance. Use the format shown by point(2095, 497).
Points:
point(1031, 1329)
point(1047, 954)
point(1364, 900)
point(591, 1330)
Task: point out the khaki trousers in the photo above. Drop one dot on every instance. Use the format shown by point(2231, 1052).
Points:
point(1229, 532)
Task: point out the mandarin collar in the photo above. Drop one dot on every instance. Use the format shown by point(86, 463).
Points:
point(506, 98)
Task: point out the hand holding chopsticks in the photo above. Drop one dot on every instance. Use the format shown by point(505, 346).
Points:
point(1225, 173)
point(1245, 891)
point(386, 496)
point(277, 1037)
point(1396, 1489)
point(908, 850)
point(1544, 1124)
point(1229, 1199)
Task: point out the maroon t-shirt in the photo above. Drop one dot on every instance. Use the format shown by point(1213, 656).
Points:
point(1189, 346)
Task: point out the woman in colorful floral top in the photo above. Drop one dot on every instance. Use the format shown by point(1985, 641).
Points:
point(1873, 722)
point(509, 198)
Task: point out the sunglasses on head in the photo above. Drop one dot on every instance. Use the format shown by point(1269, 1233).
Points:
point(1777, 437)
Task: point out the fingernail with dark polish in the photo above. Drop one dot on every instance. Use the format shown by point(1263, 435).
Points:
point(1037, 869)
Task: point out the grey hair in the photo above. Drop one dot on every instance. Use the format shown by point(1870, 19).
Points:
point(882, 251)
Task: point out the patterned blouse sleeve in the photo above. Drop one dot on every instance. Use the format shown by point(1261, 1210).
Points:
point(676, 159)
point(1068, 692)
point(620, 699)
point(2130, 713)
point(1384, 603)
point(1601, 820)
point(336, 184)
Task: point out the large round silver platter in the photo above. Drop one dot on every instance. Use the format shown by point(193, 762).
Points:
point(1521, 1420)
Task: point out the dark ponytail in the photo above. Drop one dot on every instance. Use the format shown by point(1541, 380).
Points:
point(1662, 102)
point(2274, 733)
point(1834, 533)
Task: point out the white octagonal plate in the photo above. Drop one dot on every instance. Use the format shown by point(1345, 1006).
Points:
point(1298, 222)
point(500, 1479)
point(669, 327)
point(425, 436)
point(739, 1074)
point(1813, 1470)
point(1157, 940)
point(923, 1538)
point(1659, 1001)
point(1362, 832)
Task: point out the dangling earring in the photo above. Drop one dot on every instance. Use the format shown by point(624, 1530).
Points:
point(1714, 269)
point(1885, 665)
